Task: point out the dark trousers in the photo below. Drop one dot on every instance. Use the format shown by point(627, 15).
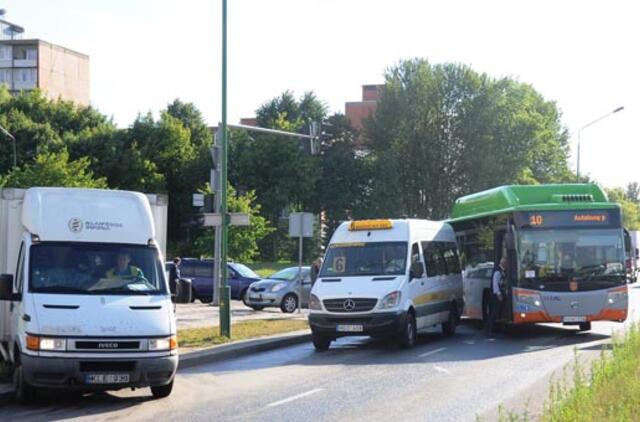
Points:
point(495, 311)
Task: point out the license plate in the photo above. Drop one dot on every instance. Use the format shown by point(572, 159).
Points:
point(574, 319)
point(350, 328)
point(106, 379)
point(255, 297)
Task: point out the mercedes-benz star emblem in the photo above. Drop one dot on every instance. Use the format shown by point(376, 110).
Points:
point(349, 305)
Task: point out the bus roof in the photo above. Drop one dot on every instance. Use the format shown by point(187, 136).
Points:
point(512, 198)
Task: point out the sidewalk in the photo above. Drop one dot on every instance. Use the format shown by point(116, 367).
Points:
point(198, 314)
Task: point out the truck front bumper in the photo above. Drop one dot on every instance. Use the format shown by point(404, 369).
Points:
point(73, 372)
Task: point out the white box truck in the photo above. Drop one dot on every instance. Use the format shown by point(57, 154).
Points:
point(84, 300)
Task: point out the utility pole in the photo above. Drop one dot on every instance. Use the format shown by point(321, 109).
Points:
point(586, 126)
point(225, 290)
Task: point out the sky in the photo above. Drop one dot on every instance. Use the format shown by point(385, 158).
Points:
point(144, 53)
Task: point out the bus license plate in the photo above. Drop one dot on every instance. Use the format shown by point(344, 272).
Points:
point(349, 328)
point(574, 319)
point(106, 379)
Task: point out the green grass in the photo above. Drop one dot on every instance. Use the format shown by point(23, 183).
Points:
point(265, 269)
point(610, 391)
point(208, 336)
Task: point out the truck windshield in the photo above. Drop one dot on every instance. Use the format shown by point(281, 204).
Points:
point(592, 257)
point(357, 259)
point(85, 268)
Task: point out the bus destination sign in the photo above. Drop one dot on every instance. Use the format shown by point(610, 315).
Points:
point(558, 219)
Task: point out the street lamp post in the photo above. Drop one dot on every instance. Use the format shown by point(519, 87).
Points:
point(13, 139)
point(586, 126)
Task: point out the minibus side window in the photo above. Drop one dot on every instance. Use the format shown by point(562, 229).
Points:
point(415, 255)
point(451, 257)
point(434, 259)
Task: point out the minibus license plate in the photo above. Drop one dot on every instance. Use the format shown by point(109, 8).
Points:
point(106, 379)
point(349, 328)
point(574, 319)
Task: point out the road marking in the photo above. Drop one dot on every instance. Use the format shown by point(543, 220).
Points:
point(433, 352)
point(296, 397)
point(441, 369)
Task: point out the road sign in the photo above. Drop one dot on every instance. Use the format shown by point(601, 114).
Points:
point(301, 224)
point(198, 200)
point(235, 219)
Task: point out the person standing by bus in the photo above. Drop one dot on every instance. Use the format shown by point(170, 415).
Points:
point(496, 299)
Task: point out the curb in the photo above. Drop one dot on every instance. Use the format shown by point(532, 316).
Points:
point(242, 348)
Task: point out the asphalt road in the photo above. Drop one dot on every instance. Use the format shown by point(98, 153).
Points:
point(442, 379)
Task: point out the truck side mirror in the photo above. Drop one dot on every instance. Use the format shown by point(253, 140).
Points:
point(416, 270)
point(6, 287)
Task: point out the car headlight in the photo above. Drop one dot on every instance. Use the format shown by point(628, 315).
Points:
point(163, 343)
point(46, 344)
point(314, 303)
point(277, 287)
point(391, 300)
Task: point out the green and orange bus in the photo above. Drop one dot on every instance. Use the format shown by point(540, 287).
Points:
point(565, 251)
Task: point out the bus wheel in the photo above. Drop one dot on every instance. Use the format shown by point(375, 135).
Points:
point(584, 326)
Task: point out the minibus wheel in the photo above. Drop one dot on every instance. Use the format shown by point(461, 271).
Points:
point(321, 343)
point(584, 326)
point(409, 334)
point(449, 327)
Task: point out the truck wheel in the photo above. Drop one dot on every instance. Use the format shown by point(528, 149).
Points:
point(162, 391)
point(25, 393)
point(289, 303)
point(408, 337)
point(584, 326)
point(449, 327)
point(321, 343)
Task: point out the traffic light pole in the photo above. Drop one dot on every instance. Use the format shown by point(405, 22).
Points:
point(225, 310)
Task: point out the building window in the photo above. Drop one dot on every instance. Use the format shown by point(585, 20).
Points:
point(5, 52)
point(5, 76)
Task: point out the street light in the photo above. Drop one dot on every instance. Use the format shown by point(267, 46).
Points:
point(586, 126)
point(7, 134)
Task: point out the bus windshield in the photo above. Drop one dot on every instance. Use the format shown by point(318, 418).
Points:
point(594, 257)
point(91, 268)
point(361, 259)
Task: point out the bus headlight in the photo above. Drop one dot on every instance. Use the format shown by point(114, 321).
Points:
point(163, 344)
point(46, 344)
point(391, 300)
point(616, 297)
point(314, 303)
point(531, 299)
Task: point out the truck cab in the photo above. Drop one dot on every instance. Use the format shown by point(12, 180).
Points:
point(84, 300)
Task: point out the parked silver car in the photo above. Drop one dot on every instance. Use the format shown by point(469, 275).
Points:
point(281, 289)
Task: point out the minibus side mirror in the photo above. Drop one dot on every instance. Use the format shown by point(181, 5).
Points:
point(416, 270)
point(6, 288)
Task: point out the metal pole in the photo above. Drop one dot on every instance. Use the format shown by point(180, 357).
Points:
point(578, 160)
point(300, 279)
point(225, 311)
point(215, 185)
point(586, 126)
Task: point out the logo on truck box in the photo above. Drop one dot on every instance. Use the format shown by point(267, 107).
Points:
point(75, 225)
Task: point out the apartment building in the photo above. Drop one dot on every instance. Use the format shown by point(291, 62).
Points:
point(33, 63)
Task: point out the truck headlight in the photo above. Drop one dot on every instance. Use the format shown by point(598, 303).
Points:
point(277, 287)
point(164, 343)
point(46, 344)
point(391, 300)
point(314, 303)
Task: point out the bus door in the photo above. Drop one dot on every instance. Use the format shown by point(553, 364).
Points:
point(504, 243)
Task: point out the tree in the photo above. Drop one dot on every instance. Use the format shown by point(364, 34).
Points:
point(630, 208)
point(442, 131)
point(243, 241)
point(53, 169)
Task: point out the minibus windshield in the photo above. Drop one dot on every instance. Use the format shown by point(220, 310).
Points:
point(86, 268)
point(358, 259)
